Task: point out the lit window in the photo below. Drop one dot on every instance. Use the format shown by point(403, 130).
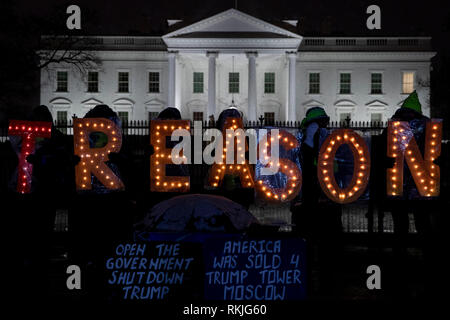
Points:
point(408, 82)
point(376, 83)
point(123, 82)
point(314, 83)
point(345, 83)
point(61, 81)
point(269, 82)
point(198, 82)
point(233, 82)
point(92, 81)
point(153, 82)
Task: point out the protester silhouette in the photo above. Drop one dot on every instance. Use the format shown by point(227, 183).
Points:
point(35, 212)
point(410, 202)
point(231, 186)
point(100, 217)
point(315, 217)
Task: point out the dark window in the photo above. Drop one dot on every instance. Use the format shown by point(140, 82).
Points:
point(197, 116)
point(269, 82)
point(269, 118)
point(123, 82)
point(233, 82)
point(376, 117)
point(92, 81)
point(345, 83)
point(61, 119)
point(152, 115)
point(123, 115)
point(314, 83)
point(345, 116)
point(376, 83)
point(153, 82)
point(198, 82)
point(62, 81)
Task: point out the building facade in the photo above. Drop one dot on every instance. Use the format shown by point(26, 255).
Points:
point(265, 69)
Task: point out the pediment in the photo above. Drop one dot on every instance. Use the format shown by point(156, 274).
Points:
point(123, 101)
point(92, 101)
point(270, 103)
point(312, 102)
point(155, 102)
point(231, 23)
point(60, 101)
point(196, 103)
point(345, 103)
point(377, 103)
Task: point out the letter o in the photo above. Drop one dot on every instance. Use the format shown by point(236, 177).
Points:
point(361, 167)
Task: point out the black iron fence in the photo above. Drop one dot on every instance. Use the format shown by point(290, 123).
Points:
point(134, 130)
point(365, 217)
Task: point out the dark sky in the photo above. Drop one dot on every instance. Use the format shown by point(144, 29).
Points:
point(342, 16)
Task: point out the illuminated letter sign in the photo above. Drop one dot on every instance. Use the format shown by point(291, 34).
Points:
point(402, 145)
point(29, 130)
point(361, 168)
point(285, 166)
point(241, 168)
point(159, 182)
point(93, 159)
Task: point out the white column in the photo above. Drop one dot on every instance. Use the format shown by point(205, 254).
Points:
point(292, 56)
point(251, 85)
point(211, 83)
point(171, 89)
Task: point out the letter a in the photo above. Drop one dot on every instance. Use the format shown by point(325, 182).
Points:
point(373, 21)
point(74, 280)
point(374, 280)
point(74, 20)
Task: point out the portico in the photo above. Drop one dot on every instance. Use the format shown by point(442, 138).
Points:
point(233, 45)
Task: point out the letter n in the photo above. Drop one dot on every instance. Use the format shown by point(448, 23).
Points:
point(401, 145)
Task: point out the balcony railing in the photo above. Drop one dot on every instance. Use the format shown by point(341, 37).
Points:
point(366, 44)
point(105, 42)
point(308, 43)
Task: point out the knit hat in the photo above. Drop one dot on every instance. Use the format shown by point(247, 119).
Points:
point(312, 114)
point(412, 102)
point(169, 113)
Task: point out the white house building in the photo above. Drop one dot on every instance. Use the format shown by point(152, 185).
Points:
point(268, 70)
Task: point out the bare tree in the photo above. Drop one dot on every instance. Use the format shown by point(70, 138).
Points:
point(68, 49)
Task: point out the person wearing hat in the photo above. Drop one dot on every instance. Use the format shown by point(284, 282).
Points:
point(231, 186)
point(316, 218)
point(314, 133)
point(410, 201)
point(410, 110)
